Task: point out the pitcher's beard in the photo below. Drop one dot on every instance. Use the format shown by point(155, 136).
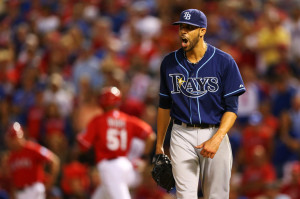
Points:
point(191, 44)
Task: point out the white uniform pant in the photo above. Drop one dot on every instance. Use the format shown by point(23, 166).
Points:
point(116, 176)
point(36, 191)
point(188, 165)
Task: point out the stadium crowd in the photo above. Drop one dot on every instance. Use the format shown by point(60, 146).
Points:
point(55, 56)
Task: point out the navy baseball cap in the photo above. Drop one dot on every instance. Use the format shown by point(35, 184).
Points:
point(193, 17)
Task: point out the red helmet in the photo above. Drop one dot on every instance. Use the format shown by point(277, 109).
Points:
point(110, 96)
point(15, 131)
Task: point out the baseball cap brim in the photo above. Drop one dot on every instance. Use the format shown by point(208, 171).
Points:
point(180, 22)
point(192, 17)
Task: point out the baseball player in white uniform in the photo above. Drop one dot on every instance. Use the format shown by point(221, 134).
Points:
point(111, 133)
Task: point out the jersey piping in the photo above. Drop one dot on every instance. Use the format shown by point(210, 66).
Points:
point(164, 95)
point(187, 74)
point(234, 92)
point(199, 113)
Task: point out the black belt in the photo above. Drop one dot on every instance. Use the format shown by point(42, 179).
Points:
point(21, 189)
point(24, 187)
point(112, 158)
point(202, 125)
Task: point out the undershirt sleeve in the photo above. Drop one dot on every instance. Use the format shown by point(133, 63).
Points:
point(165, 102)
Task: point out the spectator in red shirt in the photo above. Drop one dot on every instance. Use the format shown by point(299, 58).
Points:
point(26, 163)
point(35, 117)
point(256, 133)
point(75, 180)
point(272, 191)
point(55, 130)
point(259, 172)
point(292, 187)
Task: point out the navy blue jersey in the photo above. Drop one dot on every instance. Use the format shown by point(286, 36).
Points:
point(198, 91)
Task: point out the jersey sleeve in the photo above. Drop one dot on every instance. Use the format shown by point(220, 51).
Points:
point(165, 99)
point(86, 138)
point(45, 153)
point(140, 128)
point(41, 153)
point(232, 80)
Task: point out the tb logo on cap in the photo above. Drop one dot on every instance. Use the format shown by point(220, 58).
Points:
point(187, 16)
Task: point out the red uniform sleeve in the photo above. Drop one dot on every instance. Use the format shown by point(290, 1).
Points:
point(42, 153)
point(140, 128)
point(45, 153)
point(87, 137)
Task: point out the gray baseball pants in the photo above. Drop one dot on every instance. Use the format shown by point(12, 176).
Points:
point(189, 166)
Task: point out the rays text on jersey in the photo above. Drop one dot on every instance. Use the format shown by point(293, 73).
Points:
point(193, 87)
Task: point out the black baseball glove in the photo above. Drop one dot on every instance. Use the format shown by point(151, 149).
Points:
point(162, 172)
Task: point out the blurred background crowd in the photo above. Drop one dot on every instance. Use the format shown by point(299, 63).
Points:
point(55, 55)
